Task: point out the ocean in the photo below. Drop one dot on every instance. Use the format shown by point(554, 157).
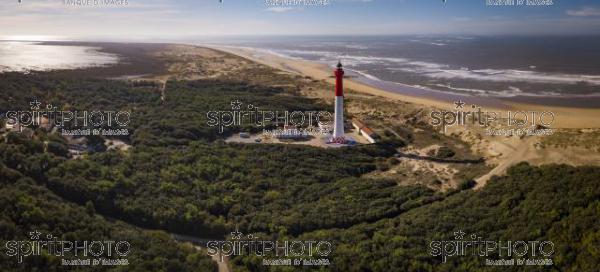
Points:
point(20, 56)
point(548, 70)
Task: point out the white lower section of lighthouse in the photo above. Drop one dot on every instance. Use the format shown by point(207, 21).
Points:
point(338, 129)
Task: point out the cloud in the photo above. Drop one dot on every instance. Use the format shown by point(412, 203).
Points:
point(585, 12)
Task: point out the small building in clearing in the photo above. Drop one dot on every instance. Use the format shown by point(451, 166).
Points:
point(364, 131)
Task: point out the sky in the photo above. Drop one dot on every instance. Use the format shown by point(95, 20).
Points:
point(172, 20)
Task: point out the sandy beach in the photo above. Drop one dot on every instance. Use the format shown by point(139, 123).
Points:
point(565, 117)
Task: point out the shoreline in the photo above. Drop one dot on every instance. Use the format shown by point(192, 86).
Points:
point(566, 117)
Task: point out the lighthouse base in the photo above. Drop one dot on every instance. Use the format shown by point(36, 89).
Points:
point(337, 140)
point(347, 140)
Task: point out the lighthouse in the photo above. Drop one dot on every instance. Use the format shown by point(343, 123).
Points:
point(338, 129)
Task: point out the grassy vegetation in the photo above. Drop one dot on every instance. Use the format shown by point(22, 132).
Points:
point(574, 138)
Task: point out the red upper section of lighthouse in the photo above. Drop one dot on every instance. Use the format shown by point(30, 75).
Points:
point(339, 80)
